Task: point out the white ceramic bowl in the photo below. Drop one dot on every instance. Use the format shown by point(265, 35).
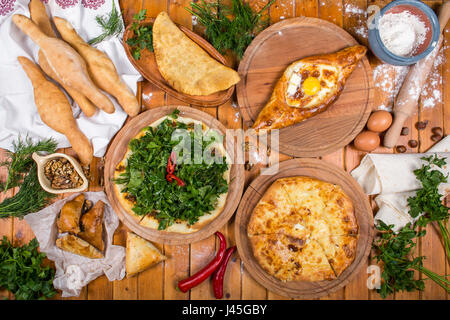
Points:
point(46, 184)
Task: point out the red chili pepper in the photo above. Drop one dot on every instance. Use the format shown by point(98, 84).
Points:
point(188, 283)
point(171, 163)
point(220, 273)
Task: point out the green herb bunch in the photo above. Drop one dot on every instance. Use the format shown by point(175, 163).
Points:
point(395, 251)
point(143, 35)
point(111, 25)
point(229, 28)
point(428, 199)
point(22, 271)
point(145, 182)
point(22, 172)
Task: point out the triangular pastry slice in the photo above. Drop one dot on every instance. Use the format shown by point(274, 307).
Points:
point(185, 65)
point(291, 259)
point(78, 246)
point(141, 254)
point(307, 87)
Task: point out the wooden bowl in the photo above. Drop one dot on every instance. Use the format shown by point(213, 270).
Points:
point(316, 169)
point(266, 59)
point(117, 150)
point(148, 68)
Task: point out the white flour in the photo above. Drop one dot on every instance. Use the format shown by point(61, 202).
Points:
point(402, 33)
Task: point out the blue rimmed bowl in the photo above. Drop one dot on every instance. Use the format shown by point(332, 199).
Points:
point(417, 8)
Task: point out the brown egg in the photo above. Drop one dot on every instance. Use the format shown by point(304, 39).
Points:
point(379, 121)
point(367, 141)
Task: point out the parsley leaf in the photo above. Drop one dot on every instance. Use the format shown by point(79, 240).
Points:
point(143, 35)
point(145, 180)
point(23, 273)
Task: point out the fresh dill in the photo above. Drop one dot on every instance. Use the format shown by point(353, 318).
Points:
point(22, 172)
point(111, 25)
point(229, 27)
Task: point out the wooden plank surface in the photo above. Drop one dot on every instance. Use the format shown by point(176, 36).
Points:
point(159, 282)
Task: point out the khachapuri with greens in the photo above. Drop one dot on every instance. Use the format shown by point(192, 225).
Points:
point(165, 193)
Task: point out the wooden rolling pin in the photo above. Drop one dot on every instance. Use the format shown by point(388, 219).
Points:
point(409, 94)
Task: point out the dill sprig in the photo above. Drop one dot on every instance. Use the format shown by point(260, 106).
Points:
point(229, 28)
point(22, 172)
point(111, 25)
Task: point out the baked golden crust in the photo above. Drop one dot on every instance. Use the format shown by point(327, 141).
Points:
point(186, 66)
point(92, 223)
point(127, 201)
point(78, 246)
point(306, 210)
point(291, 259)
point(141, 255)
point(278, 113)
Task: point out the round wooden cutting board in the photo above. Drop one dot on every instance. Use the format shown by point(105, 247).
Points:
point(323, 171)
point(117, 151)
point(269, 55)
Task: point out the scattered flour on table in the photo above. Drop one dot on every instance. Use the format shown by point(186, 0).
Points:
point(431, 91)
point(147, 97)
point(194, 20)
point(382, 77)
point(402, 33)
point(360, 15)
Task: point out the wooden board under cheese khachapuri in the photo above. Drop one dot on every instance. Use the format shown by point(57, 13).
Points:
point(304, 229)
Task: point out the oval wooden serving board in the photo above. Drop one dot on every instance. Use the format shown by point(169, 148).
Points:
point(269, 55)
point(316, 169)
point(148, 67)
point(117, 151)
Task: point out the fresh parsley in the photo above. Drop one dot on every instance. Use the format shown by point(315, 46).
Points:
point(395, 251)
point(23, 272)
point(229, 27)
point(428, 199)
point(144, 180)
point(111, 25)
point(22, 172)
point(143, 35)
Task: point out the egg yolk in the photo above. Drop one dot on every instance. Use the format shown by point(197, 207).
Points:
point(311, 86)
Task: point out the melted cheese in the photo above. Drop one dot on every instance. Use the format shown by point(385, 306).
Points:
point(328, 77)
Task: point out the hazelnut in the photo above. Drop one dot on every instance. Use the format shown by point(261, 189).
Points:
point(412, 143)
point(405, 131)
point(436, 137)
point(421, 125)
point(437, 130)
point(400, 149)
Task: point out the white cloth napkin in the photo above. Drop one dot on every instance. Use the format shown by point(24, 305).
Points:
point(73, 272)
point(18, 113)
point(392, 177)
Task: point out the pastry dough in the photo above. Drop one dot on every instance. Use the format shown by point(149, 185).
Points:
point(69, 217)
point(127, 201)
point(307, 87)
point(303, 229)
point(78, 246)
point(184, 65)
point(141, 255)
point(92, 226)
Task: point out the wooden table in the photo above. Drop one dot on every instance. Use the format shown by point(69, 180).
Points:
point(159, 282)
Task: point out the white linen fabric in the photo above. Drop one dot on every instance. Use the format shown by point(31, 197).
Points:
point(18, 113)
point(73, 272)
point(391, 176)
